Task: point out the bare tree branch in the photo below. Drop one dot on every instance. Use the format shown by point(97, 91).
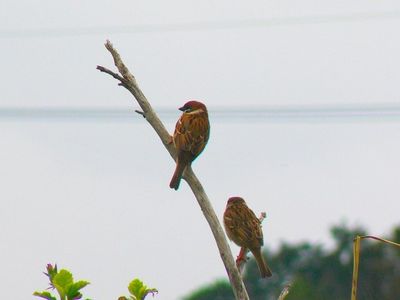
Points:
point(284, 292)
point(128, 81)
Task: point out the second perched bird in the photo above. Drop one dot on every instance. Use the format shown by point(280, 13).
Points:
point(244, 229)
point(190, 137)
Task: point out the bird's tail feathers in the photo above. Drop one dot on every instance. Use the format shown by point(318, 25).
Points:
point(176, 178)
point(265, 271)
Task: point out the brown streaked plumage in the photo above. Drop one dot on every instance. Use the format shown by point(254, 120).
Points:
point(190, 137)
point(244, 229)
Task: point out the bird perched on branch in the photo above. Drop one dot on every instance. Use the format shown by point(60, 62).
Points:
point(190, 137)
point(244, 229)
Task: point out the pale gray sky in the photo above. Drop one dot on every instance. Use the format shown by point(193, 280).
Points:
point(105, 183)
point(329, 61)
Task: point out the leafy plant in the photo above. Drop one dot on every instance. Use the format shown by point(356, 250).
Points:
point(138, 291)
point(62, 281)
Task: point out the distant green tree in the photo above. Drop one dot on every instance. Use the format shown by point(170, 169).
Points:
point(316, 273)
point(379, 272)
point(220, 290)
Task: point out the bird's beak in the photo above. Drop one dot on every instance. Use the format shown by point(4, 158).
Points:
point(182, 108)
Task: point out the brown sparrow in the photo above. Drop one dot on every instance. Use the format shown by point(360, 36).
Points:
point(244, 229)
point(190, 137)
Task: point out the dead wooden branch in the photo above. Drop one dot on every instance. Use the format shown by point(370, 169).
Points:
point(128, 81)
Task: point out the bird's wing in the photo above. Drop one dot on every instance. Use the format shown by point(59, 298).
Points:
point(191, 133)
point(254, 225)
point(244, 226)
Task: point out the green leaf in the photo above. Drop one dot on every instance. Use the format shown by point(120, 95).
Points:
point(149, 291)
point(63, 278)
point(73, 290)
point(139, 290)
point(62, 281)
point(134, 287)
point(45, 295)
point(51, 271)
point(81, 284)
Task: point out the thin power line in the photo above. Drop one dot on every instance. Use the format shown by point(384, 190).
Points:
point(197, 26)
point(263, 114)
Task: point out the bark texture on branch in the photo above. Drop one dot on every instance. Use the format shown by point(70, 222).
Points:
point(128, 81)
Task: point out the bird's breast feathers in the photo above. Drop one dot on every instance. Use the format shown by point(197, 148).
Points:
point(192, 131)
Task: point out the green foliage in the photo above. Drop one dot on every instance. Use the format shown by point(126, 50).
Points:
point(45, 295)
point(220, 290)
point(63, 283)
point(138, 290)
point(303, 290)
point(316, 273)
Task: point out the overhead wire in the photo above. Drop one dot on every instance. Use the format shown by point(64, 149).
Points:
point(381, 112)
point(249, 113)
